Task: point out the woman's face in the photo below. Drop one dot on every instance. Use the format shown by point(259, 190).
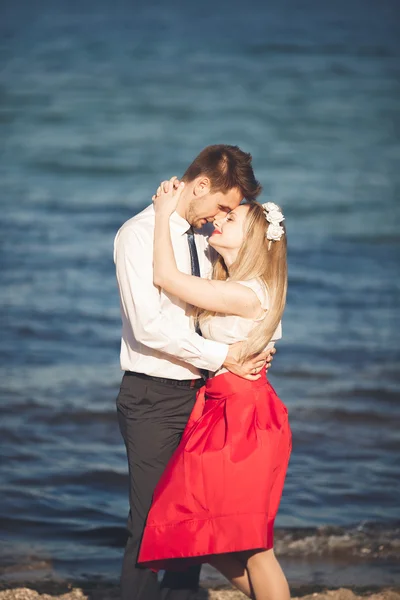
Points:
point(229, 231)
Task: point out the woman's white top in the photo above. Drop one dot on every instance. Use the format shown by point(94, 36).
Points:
point(229, 329)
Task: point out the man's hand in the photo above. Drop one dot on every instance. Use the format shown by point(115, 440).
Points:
point(250, 369)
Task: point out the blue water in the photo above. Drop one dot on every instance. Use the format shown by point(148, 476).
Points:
point(97, 105)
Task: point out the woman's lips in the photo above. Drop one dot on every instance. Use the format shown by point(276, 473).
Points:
point(215, 232)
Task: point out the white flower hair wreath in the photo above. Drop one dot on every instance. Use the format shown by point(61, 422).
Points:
point(274, 217)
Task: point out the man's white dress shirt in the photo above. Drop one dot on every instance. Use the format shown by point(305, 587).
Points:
point(158, 336)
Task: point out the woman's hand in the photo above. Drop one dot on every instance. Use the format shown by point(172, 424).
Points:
point(167, 196)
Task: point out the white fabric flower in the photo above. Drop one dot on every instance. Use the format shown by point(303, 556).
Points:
point(271, 206)
point(275, 216)
point(275, 232)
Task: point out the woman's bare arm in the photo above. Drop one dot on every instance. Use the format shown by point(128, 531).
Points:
point(219, 296)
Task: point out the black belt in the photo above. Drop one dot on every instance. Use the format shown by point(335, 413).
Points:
point(190, 383)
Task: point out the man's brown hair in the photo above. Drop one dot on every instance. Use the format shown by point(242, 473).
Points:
point(227, 167)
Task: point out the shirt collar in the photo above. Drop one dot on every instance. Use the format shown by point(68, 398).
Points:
point(179, 224)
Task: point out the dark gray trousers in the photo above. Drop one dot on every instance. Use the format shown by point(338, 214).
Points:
point(152, 417)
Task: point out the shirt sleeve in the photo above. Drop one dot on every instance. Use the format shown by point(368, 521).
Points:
point(141, 303)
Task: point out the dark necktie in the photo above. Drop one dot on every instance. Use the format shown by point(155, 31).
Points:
point(195, 267)
point(194, 259)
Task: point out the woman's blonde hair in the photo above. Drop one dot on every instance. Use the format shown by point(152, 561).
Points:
point(263, 259)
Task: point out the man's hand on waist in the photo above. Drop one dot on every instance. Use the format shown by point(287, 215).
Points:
point(249, 369)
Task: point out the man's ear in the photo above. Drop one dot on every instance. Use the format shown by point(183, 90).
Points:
point(202, 186)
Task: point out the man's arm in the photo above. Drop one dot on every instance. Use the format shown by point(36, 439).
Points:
point(141, 302)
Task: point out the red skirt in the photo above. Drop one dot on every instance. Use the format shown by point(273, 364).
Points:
point(220, 491)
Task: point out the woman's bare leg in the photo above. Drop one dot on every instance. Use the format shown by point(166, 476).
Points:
point(234, 569)
point(267, 579)
point(256, 573)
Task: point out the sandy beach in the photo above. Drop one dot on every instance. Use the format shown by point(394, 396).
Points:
point(64, 591)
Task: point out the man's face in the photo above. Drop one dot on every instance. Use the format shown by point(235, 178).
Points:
point(212, 205)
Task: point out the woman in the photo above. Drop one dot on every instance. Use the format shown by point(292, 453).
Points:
point(219, 495)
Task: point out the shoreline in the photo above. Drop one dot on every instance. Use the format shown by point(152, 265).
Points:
point(48, 589)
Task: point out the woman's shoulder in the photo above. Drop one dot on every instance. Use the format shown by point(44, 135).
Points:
point(259, 288)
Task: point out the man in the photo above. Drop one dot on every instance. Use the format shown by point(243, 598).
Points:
point(161, 353)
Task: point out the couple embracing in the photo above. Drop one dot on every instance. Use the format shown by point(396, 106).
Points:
point(202, 276)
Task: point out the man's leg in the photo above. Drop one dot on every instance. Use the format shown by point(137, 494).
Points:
point(152, 417)
point(182, 585)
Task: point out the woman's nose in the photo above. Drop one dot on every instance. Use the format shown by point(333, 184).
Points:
point(217, 223)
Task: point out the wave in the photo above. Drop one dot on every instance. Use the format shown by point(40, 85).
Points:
point(272, 48)
point(102, 479)
point(375, 393)
point(365, 540)
point(381, 239)
point(359, 542)
point(84, 168)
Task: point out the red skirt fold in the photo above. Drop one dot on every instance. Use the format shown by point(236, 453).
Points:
point(221, 490)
